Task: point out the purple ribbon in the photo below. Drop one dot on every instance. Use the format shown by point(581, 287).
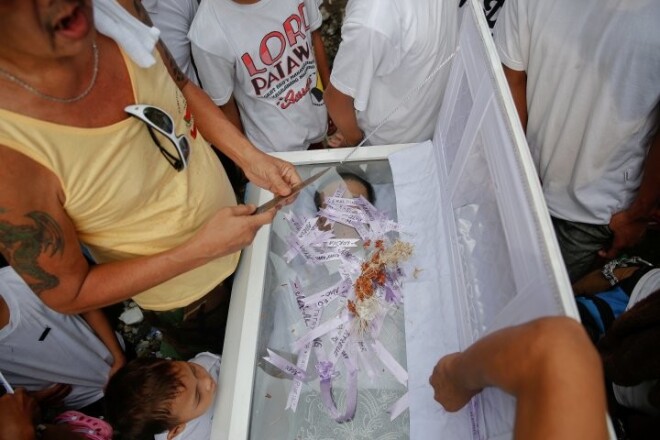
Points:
point(326, 371)
point(316, 247)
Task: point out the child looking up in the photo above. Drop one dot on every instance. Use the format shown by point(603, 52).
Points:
point(163, 399)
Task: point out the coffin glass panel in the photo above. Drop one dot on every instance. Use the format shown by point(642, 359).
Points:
point(282, 323)
point(481, 242)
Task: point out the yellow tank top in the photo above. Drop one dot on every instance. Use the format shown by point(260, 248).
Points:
point(124, 198)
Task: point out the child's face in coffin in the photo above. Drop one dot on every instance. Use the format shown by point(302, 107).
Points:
point(354, 189)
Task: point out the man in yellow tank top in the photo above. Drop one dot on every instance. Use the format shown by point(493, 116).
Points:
point(76, 168)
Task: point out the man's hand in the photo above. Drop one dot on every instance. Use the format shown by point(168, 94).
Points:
point(337, 140)
point(272, 174)
point(448, 389)
point(17, 414)
point(228, 231)
point(629, 226)
point(627, 229)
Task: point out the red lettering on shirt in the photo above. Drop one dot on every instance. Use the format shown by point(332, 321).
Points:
point(292, 96)
point(273, 44)
point(265, 49)
point(291, 33)
point(281, 54)
point(247, 62)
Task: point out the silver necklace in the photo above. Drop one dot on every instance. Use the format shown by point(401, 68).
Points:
point(84, 93)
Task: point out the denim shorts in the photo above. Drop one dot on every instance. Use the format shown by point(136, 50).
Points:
point(579, 244)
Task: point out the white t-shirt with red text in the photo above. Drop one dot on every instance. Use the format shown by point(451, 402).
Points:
point(262, 54)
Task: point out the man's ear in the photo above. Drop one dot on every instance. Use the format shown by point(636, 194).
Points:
point(178, 429)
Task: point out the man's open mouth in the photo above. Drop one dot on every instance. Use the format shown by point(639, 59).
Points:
point(74, 22)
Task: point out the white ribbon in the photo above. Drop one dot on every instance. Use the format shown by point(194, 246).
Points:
point(285, 365)
point(320, 331)
point(324, 297)
point(399, 373)
point(399, 407)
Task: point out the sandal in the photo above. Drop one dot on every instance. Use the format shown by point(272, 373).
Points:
point(90, 427)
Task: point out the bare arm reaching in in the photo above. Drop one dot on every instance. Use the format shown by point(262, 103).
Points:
point(549, 365)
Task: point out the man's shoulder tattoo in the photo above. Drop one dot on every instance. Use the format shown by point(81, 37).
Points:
point(23, 244)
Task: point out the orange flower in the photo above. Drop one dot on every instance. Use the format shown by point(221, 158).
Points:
point(364, 287)
point(351, 307)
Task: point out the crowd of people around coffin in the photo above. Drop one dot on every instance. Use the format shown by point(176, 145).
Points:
point(128, 130)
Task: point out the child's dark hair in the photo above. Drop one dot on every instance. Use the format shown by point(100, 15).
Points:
point(139, 396)
point(350, 174)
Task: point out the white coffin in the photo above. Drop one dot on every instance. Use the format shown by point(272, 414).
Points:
point(471, 204)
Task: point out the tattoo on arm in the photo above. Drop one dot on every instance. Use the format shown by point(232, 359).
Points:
point(24, 244)
point(177, 75)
